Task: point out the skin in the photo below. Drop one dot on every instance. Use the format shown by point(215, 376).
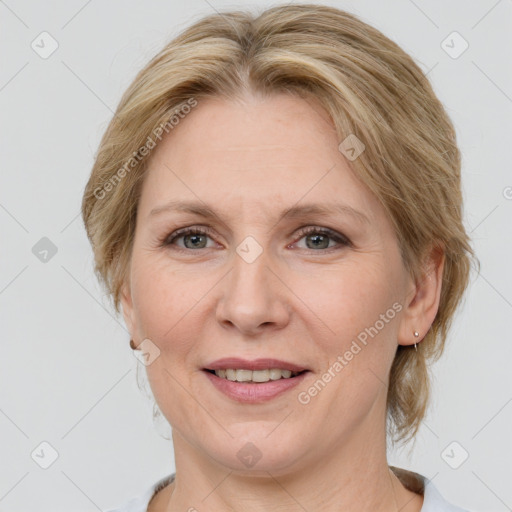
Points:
point(250, 159)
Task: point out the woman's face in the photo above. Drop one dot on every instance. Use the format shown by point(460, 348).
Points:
point(324, 291)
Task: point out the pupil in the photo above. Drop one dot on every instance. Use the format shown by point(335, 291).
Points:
point(194, 239)
point(320, 238)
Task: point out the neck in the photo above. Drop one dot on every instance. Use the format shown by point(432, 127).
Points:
point(353, 476)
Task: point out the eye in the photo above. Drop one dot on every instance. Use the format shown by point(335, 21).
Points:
point(193, 238)
point(320, 238)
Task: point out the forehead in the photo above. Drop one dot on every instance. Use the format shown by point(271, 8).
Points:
point(276, 129)
point(265, 152)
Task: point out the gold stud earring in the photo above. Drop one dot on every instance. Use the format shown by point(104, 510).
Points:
point(132, 345)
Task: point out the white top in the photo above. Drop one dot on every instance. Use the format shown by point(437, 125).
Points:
point(432, 500)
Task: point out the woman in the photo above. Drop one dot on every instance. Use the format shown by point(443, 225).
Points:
point(276, 209)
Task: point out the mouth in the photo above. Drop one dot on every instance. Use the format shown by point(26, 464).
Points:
point(254, 381)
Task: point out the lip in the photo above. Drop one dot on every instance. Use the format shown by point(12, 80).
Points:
point(246, 392)
point(237, 363)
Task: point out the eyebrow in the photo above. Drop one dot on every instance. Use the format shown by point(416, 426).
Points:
point(294, 212)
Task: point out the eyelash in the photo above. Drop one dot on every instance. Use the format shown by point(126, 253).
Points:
point(342, 240)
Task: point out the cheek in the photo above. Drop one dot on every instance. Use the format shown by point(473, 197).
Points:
point(361, 312)
point(162, 299)
point(351, 300)
point(168, 309)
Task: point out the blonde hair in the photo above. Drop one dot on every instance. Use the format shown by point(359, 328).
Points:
point(370, 87)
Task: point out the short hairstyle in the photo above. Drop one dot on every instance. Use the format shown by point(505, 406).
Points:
point(370, 88)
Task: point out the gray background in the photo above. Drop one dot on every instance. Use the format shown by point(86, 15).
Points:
point(68, 376)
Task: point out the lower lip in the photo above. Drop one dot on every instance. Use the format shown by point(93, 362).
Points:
point(254, 392)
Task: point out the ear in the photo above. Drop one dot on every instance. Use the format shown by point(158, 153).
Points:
point(127, 308)
point(422, 301)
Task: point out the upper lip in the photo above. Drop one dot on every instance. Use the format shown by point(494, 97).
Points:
point(256, 364)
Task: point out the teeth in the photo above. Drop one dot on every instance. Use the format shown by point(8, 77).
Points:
point(255, 376)
point(243, 375)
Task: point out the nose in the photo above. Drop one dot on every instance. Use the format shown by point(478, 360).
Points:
point(253, 298)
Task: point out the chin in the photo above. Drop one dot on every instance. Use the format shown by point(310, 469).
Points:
point(260, 455)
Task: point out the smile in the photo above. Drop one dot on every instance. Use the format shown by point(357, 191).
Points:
point(239, 375)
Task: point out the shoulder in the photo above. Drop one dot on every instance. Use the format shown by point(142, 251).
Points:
point(433, 501)
point(140, 502)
